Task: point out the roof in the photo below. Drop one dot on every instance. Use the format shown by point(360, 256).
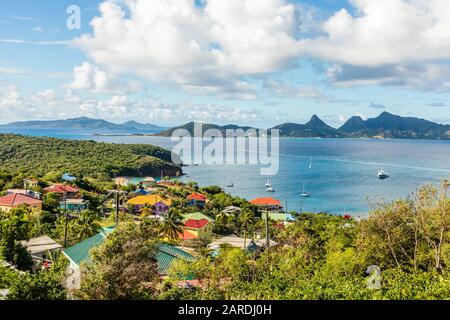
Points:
point(167, 254)
point(150, 199)
point(16, 199)
point(196, 216)
point(40, 244)
point(74, 201)
point(80, 252)
point(265, 202)
point(196, 224)
point(238, 242)
point(196, 196)
point(279, 216)
point(61, 188)
point(187, 235)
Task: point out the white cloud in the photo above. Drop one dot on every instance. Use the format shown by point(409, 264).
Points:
point(13, 70)
point(89, 77)
point(385, 32)
point(48, 104)
point(211, 49)
point(287, 90)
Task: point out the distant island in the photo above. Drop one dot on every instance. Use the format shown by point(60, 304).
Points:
point(385, 126)
point(86, 124)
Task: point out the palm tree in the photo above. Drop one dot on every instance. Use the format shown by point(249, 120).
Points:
point(172, 224)
point(246, 220)
point(86, 225)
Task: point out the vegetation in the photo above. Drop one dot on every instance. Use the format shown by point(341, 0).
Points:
point(50, 158)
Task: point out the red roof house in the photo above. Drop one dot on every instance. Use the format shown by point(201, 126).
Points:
point(265, 202)
point(196, 196)
point(15, 200)
point(62, 188)
point(196, 224)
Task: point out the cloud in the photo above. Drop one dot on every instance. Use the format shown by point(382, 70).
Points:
point(215, 48)
point(48, 104)
point(377, 106)
point(424, 76)
point(437, 104)
point(385, 32)
point(38, 43)
point(24, 18)
point(89, 77)
point(13, 70)
point(38, 29)
point(287, 90)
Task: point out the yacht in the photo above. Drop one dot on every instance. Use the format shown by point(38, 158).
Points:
point(305, 194)
point(270, 189)
point(230, 185)
point(268, 184)
point(382, 174)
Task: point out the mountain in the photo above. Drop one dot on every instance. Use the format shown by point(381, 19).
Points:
point(314, 128)
point(204, 126)
point(83, 123)
point(388, 125)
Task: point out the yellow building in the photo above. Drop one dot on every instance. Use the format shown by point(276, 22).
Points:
point(161, 205)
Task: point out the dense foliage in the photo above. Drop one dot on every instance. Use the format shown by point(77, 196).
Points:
point(39, 156)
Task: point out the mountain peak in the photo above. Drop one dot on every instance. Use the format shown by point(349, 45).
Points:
point(316, 122)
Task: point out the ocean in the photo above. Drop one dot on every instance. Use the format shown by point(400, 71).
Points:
point(342, 179)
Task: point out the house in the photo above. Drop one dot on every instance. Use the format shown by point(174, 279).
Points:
point(80, 253)
point(26, 192)
point(160, 205)
point(267, 204)
point(165, 256)
point(71, 192)
point(15, 200)
point(251, 245)
point(40, 246)
point(279, 217)
point(196, 226)
point(147, 182)
point(231, 210)
point(74, 205)
point(196, 199)
point(30, 183)
point(122, 181)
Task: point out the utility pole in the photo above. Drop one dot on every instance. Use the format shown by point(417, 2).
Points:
point(267, 228)
point(65, 215)
point(117, 208)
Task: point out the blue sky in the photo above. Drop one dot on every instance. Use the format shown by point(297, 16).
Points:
point(224, 61)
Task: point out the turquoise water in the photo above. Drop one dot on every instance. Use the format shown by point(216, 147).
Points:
point(343, 177)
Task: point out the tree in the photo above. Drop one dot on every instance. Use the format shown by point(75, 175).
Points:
point(171, 226)
point(43, 285)
point(86, 225)
point(123, 267)
point(246, 220)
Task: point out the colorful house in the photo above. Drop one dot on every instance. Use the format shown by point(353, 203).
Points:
point(160, 205)
point(63, 189)
point(165, 256)
point(196, 199)
point(122, 181)
point(31, 193)
point(30, 183)
point(267, 204)
point(15, 200)
point(74, 205)
point(197, 226)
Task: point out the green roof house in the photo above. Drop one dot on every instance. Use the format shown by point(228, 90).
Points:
point(197, 216)
point(79, 253)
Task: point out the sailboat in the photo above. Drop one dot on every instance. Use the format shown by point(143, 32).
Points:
point(268, 183)
point(310, 163)
point(305, 194)
point(270, 189)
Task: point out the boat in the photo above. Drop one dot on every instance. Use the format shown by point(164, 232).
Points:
point(305, 194)
point(310, 163)
point(382, 175)
point(268, 183)
point(230, 185)
point(270, 189)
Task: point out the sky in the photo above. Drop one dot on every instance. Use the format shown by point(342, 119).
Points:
point(250, 62)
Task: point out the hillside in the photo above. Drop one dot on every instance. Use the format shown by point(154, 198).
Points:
point(39, 156)
point(388, 125)
point(313, 128)
point(205, 126)
point(83, 123)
